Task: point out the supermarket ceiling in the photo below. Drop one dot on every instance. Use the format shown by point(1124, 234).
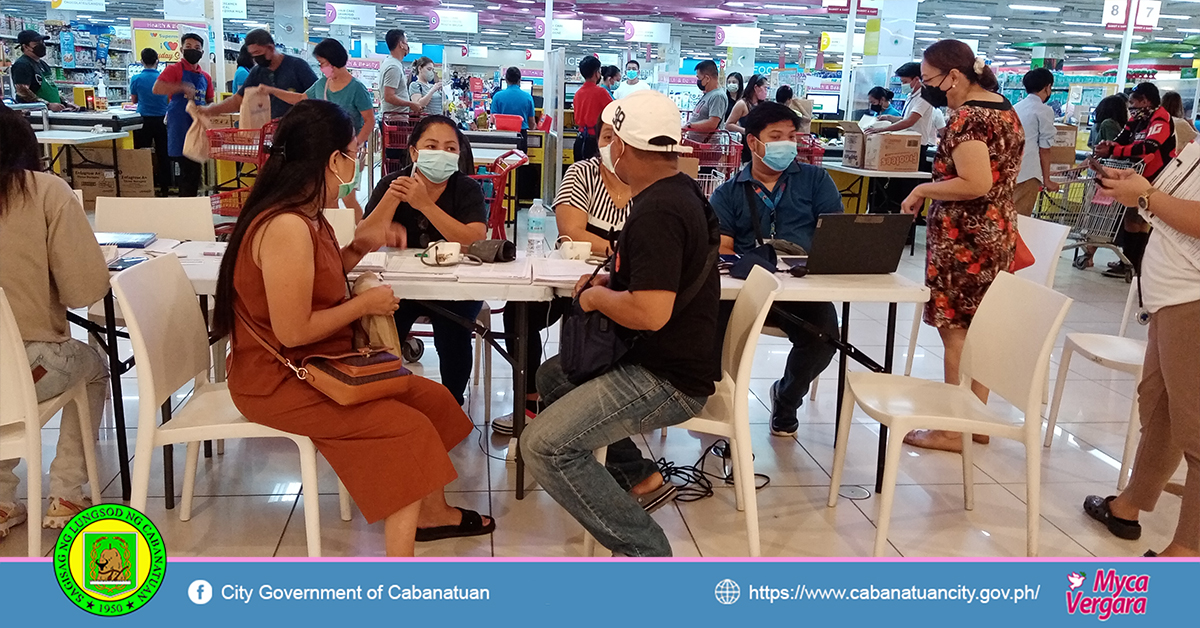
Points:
point(508, 23)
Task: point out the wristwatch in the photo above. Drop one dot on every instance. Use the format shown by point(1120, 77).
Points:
point(1143, 201)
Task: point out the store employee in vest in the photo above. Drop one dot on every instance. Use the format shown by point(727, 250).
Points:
point(786, 197)
point(589, 101)
point(32, 77)
point(184, 82)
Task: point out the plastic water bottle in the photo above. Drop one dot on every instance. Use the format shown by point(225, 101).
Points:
point(535, 231)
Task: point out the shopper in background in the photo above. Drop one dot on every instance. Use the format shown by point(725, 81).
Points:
point(1037, 118)
point(788, 197)
point(244, 64)
point(709, 113)
point(801, 106)
point(32, 77)
point(880, 100)
point(632, 81)
point(972, 230)
point(1111, 116)
point(919, 117)
point(1185, 131)
point(1149, 136)
point(283, 280)
point(153, 109)
point(185, 82)
point(1169, 393)
point(756, 92)
point(514, 101)
point(734, 87)
point(667, 376)
point(271, 68)
point(426, 90)
point(610, 78)
point(438, 201)
point(49, 261)
point(393, 78)
point(589, 101)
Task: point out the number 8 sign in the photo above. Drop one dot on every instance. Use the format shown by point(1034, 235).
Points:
point(1116, 14)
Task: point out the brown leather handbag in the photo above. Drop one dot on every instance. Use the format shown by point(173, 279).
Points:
point(351, 378)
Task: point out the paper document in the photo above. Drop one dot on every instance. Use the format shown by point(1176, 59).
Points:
point(411, 267)
point(376, 261)
point(515, 272)
point(555, 272)
point(1181, 179)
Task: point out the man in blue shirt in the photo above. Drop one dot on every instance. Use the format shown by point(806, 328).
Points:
point(513, 100)
point(152, 108)
point(787, 198)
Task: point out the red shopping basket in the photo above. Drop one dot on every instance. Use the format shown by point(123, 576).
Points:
point(495, 186)
point(247, 146)
point(229, 203)
point(397, 128)
point(718, 152)
point(809, 150)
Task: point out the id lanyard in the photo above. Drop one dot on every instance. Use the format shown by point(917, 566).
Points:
point(770, 201)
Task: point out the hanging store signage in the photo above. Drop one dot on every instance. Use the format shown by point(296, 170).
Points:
point(865, 7)
point(1116, 14)
point(350, 14)
point(163, 37)
point(648, 32)
point(568, 30)
point(535, 55)
point(477, 52)
point(183, 9)
point(78, 5)
point(738, 36)
point(233, 9)
point(454, 21)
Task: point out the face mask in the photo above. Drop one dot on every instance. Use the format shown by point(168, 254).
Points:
point(876, 108)
point(346, 188)
point(935, 96)
point(192, 55)
point(437, 165)
point(262, 60)
point(631, 74)
point(429, 76)
point(731, 88)
point(606, 158)
point(700, 84)
point(39, 50)
point(327, 70)
point(779, 155)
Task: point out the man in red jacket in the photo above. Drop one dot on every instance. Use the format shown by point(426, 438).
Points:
point(1150, 137)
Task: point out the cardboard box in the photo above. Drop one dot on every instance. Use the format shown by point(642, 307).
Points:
point(690, 166)
point(896, 151)
point(1064, 136)
point(853, 144)
point(137, 174)
point(1062, 155)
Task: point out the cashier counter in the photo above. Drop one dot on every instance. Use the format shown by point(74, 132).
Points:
point(114, 120)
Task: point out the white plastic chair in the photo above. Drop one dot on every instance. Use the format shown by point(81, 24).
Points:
point(727, 413)
point(483, 360)
point(170, 345)
point(1008, 350)
point(79, 195)
point(342, 221)
point(22, 418)
point(1118, 353)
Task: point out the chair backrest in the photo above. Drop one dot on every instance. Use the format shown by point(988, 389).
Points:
point(745, 324)
point(342, 221)
point(1045, 240)
point(19, 402)
point(79, 195)
point(1130, 299)
point(1009, 342)
point(166, 328)
point(174, 218)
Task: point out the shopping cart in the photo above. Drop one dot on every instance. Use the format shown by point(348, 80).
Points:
point(1081, 204)
point(247, 146)
point(228, 204)
point(710, 181)
point(718, 153)
point(809, 150)
point(494, 180)
point(397, 128)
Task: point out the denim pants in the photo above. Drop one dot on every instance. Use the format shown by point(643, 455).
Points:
point(452, 340)
point(66, 364)
point(558, 448)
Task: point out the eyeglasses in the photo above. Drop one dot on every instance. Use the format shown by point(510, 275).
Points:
point(928, 80)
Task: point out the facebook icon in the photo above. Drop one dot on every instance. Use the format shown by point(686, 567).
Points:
point(200, 592)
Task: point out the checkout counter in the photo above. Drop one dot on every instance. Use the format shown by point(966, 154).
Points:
point(62, 134)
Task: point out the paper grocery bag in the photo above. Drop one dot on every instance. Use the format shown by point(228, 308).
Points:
point(195, 143)
point(381, 330)
point(256, 109)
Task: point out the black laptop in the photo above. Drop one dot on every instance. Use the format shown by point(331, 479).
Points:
point(856, 244)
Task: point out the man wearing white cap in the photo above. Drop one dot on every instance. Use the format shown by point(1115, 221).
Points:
point(663, 293)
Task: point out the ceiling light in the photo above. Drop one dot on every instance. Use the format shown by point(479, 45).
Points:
point(797, 32)
point(932, 24)
point(1034, 7)
point(971, 27)
point(1188, 30)
point(1077, 33)
point(1174, 17)
point(928, 32)
point(1023, 30)
point(1116, 36)
point(458, 6)
point(928, 39)
point(1100, 59)
point(1092, 24)
point(977, 18)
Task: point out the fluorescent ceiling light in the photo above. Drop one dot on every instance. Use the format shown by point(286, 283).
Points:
point(458, 6)
point(770, 35)
point(1100, 59)
point(928, 32)
point(797, 32)
point(928, 39)
point(1034, 7)
point(1023, 30)
point(971, 27)
point(1077, 33)
point(1174, 17)
point(932, 24)
point(977, 18)
point(1188, 30)
point(1116, 36)
point(1091, 24)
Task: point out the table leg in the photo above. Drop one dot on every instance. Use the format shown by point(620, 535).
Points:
point(115, 369)
point(888, 356)
point(116, 168)
point(842, 362)
point(168, 460)
point(70, 165)
point(521, 309)
point(208, 451)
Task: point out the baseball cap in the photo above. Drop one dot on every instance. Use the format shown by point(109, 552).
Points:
point(646, 120)
point(27, 37)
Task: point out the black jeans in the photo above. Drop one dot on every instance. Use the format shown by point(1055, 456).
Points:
point(452, 340)
point(153, 134)
point(542, 314)
point(188, 181)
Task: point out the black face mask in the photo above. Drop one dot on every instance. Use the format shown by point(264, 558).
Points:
point(700, 84)
point(876, 108)
point(40, 50)
point(935, 96)
point(261, 60)
point(192, 55)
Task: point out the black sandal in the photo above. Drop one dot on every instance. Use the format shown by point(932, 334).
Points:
point(471, 525)
point(1097, 508)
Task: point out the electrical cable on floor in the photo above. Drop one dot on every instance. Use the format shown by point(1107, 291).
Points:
point(697, 482)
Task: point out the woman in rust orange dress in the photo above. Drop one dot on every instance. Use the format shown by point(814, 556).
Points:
point(284, 276)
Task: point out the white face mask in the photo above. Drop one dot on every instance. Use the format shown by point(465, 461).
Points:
point(606, 158)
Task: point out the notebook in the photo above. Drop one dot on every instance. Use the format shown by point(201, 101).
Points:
point(126, 240)
point(559, 272)
point(410, 267)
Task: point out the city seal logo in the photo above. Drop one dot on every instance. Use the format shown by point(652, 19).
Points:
point(110, 560)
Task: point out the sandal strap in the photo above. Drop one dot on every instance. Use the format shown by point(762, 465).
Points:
point(470, 519)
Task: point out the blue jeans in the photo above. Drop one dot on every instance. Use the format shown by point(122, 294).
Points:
point(558, 448)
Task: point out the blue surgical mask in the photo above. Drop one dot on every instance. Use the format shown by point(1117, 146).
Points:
point(437, 165)
point(779, 155)
point(631, 74)
point(347, 188)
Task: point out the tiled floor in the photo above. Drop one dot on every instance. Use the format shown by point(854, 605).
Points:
point(248, 501)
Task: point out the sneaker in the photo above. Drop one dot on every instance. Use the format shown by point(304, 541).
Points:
point(657, 498)
point(1118, 270)
point(504, 425)
point(782, 423)
point(11, 515)
point(61, 511)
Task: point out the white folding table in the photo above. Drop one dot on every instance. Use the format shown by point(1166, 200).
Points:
point(68, 140)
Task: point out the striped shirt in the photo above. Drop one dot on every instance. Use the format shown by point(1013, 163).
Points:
point(435, 107)
point(582, 187)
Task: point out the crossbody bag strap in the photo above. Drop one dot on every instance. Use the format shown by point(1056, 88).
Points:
point(300, 372)
point(752, 203)
point(714, 250)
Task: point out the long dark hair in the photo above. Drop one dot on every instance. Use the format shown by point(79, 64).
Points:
point(20, 154)
point(737, 76)
point(292, 180)
point(1112, 108)
point(751, 84)
point(951, 54)
point(466, 160)
point(1173, 103)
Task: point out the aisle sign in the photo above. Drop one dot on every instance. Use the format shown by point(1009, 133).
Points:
point(570, 30)
point(1148, 14)
point(1116, 14)
point(454, 21)
point(350, 14)
point(182, 9)
point(535, 55)
point(835, 42)
point(738, 36)
point(865, 7)
point(163, 37)
point(648, 32)
point(477, 52)
point(233, 9)
point(78, 5)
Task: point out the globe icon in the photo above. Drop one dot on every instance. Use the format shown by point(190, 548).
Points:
point(727, 591)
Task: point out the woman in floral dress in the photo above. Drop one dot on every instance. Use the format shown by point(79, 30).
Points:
point(972, 228)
